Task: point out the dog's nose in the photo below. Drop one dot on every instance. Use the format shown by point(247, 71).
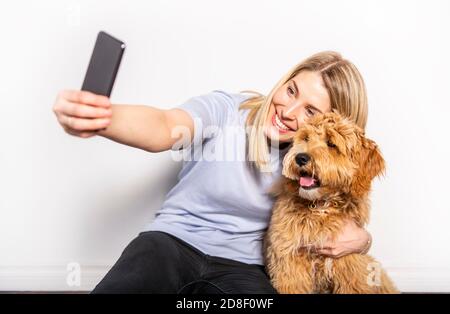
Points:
point(302, 159)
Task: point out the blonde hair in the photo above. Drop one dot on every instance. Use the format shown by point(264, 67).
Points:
point(345, 87)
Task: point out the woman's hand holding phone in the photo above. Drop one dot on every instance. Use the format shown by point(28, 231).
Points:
point(82, 113)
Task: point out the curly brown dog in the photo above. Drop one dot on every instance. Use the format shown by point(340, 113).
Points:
point(327, 177)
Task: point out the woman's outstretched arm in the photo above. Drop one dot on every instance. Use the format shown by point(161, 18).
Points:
point(85, 114)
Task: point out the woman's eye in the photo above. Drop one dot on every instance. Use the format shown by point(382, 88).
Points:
point(309, 112)
point(290, 91)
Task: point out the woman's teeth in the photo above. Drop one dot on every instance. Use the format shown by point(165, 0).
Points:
point(280, 124)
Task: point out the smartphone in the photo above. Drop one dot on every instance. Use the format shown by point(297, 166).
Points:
point(104, 64)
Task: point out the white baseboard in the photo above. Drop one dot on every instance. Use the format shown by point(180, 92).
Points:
point(421, 279)
point(54, 278)
point(49, 278)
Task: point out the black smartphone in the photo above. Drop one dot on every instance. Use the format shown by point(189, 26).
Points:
point(104, 64)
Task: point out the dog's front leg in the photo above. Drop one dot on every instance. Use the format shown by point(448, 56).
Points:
point(293, 275)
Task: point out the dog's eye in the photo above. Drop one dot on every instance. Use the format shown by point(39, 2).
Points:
point(306, 138)
point(331, 144)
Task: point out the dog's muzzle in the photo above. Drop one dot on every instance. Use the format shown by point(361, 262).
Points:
point(302, 159)
point(306, 180)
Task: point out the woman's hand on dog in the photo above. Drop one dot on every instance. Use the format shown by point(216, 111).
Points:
point(351, 239)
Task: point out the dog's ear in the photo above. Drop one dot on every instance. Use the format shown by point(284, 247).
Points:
point(370, 164)
point(373, 164)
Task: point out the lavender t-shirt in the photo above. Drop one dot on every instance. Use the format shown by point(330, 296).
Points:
point(219, 205)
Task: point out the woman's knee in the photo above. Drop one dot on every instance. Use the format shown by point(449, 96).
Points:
point(146, 265)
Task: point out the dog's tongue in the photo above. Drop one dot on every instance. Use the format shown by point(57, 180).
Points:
point(306, 181)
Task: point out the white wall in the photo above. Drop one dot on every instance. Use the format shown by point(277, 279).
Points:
point(65, 199)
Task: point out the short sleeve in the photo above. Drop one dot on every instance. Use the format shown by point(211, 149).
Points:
point(209, 110)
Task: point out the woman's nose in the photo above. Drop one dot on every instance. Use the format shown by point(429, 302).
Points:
point(293, 110)
point(293, 113)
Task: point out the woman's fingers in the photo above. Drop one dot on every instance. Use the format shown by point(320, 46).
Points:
point(82, 134)
point(329, 252)
point(84, 111)
point(79, 124)
point(85, 97)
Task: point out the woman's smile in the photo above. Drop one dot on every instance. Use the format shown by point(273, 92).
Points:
point(279, 125)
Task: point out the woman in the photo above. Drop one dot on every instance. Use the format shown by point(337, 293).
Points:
point(207, 237)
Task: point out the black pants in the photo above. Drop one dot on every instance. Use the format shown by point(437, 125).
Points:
point(157, 262)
